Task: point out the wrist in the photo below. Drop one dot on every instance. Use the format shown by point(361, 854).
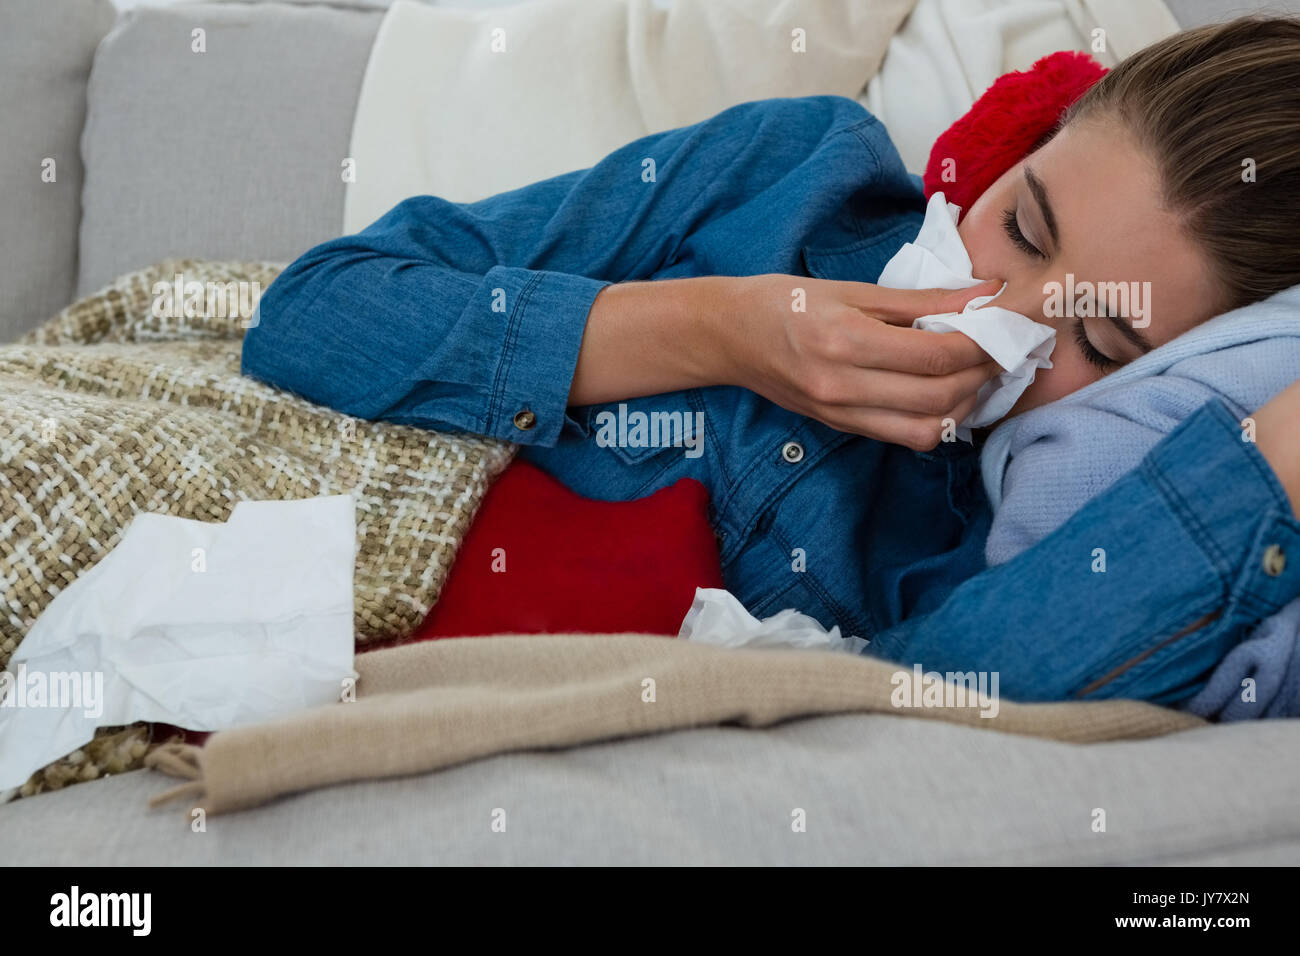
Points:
point(654, 336)
point(712, 315)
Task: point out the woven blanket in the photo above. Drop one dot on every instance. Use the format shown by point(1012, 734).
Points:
point(420, 707)
point(131, 401)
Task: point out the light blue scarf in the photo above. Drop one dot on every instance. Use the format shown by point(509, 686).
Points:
point(1040, 467)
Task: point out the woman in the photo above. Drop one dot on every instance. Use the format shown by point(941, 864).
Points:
point(523, 317)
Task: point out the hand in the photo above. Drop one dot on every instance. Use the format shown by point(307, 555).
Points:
point(852, 360)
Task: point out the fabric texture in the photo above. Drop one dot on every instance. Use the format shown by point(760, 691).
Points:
point(1179, 569)
point(876, 790)
point(238, 155)
point(452, 98)
point(540, 558)
point(430, 705)
point(463, 316)
point(200, 624)
point(114, 750)
point(1005, 125)
point(46, 48)
point(1244, 359)
point(470, 316)
point(947, 54)
point(1040, 467)
point(1260, 677)
point(111, 410)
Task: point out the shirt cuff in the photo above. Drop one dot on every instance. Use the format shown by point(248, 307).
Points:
point(546, 316)
point(1228, 499)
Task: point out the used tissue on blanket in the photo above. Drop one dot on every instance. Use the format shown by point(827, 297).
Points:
point(936, 259)
point(717, 618)
point(203, 625)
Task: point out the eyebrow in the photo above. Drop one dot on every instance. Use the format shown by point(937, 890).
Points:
point(1040, 194)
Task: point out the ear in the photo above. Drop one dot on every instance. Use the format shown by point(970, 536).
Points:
point(1014, 116)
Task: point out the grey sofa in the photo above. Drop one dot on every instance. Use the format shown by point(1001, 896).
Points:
point(876, 790)
point(161, 151)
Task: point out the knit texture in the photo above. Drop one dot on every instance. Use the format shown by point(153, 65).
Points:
point(121, 405)
point(421, 707)
point(1040, 467)
point(1008, 122)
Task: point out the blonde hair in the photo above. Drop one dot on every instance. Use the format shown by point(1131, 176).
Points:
point(1218, 107)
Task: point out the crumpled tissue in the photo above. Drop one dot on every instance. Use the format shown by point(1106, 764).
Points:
point(717, 618)
point(937, 259)
point(203, 625)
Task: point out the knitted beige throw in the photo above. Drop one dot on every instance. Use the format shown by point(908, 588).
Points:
point(131, 401)
point(425, 706)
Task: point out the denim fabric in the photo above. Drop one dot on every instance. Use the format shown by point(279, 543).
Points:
point(1177, 549)
point(470, 316)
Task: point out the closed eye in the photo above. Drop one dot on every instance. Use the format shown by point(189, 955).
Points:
point(1091, 354)
point(1012, 228)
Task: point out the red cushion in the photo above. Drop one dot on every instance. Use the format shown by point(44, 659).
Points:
point(1006, 124)
point(574, 564)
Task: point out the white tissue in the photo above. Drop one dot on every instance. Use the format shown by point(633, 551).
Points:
point(936, 259)
point(717, 618)
point(264, 629)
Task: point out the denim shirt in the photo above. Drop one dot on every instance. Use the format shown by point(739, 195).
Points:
point(469, 317)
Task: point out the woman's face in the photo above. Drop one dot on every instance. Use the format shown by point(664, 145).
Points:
point(1085, 208)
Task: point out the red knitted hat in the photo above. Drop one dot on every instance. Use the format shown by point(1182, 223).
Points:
point(1006, 124)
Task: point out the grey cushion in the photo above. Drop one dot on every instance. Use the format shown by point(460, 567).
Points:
point(46, 47)
point(876, 789)
point(230, 154)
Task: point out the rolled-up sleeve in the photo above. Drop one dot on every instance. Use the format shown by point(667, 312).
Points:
point(1139, 594)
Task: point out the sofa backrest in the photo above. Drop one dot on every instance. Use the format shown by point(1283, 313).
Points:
point(46, 49)
point(217, 130)
point(224, 144)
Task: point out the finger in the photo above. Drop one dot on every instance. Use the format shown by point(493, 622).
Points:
point(916, 351)
point(962, 410)
point(906, 392)
point(918, 432)
point(904, 306)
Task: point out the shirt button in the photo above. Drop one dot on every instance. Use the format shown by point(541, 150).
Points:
point(792, 452)
point(1274, 560)
point(525, 420)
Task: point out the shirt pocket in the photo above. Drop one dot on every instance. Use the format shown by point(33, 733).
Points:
point(659, 436)
point(857, 260)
